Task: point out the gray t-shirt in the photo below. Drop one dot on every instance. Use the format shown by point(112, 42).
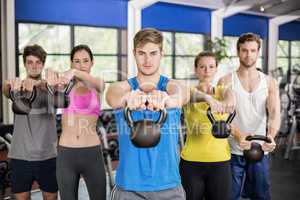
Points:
point(34, 135)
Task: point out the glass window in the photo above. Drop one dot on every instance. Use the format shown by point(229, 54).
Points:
point(53, 38)
point(184, 68)
point(167, 43)
point(105, 67)
point(231, 41)
point(189, 44)
point(166, 66)
point(56, 40)
point(283, 48)
point(100, 40)
point(295, 51)
point(295, 61)
point(104, 45)
point(283, 63)
point(283, 55)
point(295, 48)
point(22, 72)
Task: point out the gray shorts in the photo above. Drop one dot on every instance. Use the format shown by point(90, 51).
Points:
point(169, 194)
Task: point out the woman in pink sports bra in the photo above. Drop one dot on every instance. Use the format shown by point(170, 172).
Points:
point(79, 150)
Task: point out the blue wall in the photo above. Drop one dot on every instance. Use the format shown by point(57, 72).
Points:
point(111, 13)
point(241, 23)
point(164, 16)
point(290, 31)
point(179, 18)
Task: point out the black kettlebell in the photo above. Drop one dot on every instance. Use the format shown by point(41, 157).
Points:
point(145, 133)
point(22, 100)
point(220, 128)
point(61, 98)
point(255, 153)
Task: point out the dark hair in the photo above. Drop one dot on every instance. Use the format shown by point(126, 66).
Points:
point(80, 48)
point(248, 37)
point(35, 50)
point(148, 35)
point(205, 54)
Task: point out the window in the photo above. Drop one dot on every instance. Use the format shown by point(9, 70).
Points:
point(295, 53)
point(58, 40)
point(166, 63)
point(104, 44)
point(283, 55)
point(180, 50)
point(288, 55)
point(55, 39)
point(187, 46)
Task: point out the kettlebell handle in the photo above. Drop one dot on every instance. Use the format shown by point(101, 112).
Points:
point(66, 91)
point(258, 137)
point(31, 98)
point(210, 116)
point(231, 117)
point(129, 119)
point(212, 120)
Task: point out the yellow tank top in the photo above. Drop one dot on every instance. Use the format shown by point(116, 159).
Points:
point(200, 145)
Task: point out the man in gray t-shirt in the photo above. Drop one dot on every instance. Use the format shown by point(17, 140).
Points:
point(33, 149)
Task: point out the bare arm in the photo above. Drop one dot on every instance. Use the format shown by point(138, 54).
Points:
point(5, 88)
point(116, 94)
point(228, 96)
point(198, 96)
point(179, 94)
point(97, 83)
point(273, 107)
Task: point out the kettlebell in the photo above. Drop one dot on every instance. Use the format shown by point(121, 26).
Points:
point(22, 101)
point(220, 128)
point(61, 98)
point(255, 153)
point(145, 133)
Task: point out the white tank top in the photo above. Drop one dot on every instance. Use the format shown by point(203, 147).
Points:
point(251, 115)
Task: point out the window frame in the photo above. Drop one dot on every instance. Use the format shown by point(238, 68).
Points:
point(289, 57)
point(119, 55)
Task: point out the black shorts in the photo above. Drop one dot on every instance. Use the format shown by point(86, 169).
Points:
point(25, 172)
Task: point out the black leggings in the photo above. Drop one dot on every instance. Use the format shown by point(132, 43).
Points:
point(211, 180)
point(87, 162)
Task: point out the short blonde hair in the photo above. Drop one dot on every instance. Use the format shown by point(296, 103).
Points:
point(148, 35)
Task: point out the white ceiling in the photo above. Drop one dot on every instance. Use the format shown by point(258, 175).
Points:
point(271, 7)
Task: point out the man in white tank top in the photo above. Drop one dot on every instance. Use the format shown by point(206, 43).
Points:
point(257, 95)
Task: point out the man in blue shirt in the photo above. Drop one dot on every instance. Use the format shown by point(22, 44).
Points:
point(148, 173)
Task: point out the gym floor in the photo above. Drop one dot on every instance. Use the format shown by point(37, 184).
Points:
point(285, 178)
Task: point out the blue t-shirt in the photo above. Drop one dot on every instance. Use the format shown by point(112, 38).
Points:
point(149, 169)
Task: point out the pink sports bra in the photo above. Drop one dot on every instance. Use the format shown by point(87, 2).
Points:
point(87, 104)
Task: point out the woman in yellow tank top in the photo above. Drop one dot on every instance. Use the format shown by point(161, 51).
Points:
point(204, 166)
